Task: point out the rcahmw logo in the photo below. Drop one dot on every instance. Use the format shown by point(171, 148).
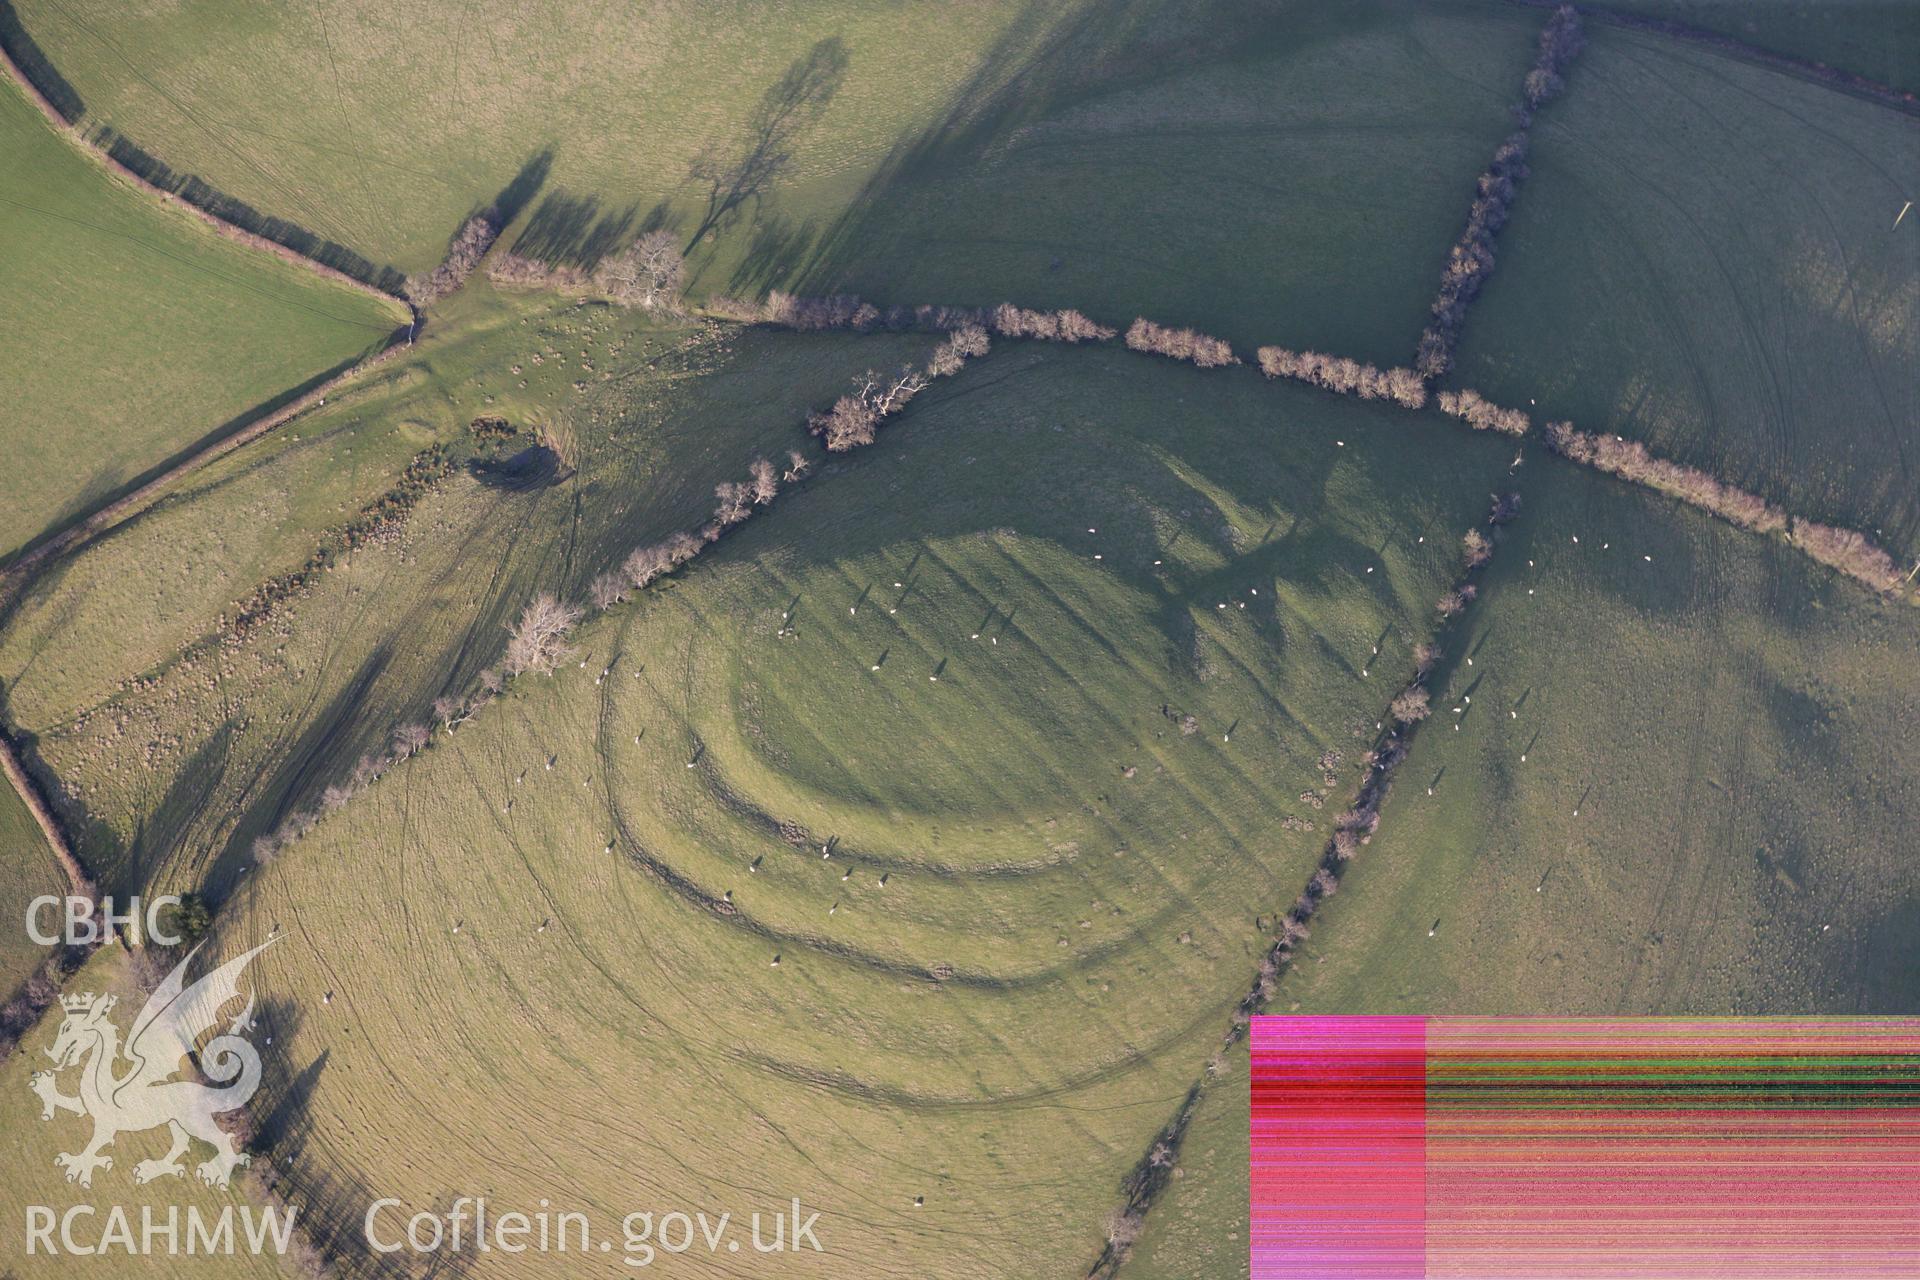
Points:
point(130, 1087)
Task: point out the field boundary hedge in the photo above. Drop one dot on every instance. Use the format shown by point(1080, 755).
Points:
point(226, 216)
point(1902, 100)
point(1352, 829)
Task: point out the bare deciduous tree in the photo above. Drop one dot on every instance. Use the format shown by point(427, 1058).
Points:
point(1180, 344)
point(470, 244)
point(608, 589)
point(538, 641)
point(1411, 705)
point(647, 273)
point(854, 418)
point(681, 547)
point(1074, 327)
point(763, 480)
point(644, 564)
point(1482, 414)
point(848, 425)
point(734, 502)
point(408, 739)
point(963, 344)
point(1123, 1228)
point(1476, 546)
point(1560, 41)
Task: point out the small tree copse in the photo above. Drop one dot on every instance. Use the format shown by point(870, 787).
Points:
point(410, 739)
point(1482, 414)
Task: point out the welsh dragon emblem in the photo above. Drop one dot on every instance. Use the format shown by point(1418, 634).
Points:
point(131, 1088)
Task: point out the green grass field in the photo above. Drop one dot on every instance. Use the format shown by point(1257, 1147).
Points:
point(871, 858)
point(27, 870)
point(1714, 812)
point(1089, 931)
point(1705, 259)
point(1291, 178)
point(623, 99)
point(158, 721)
point(28, 1173)
point(128, 332)
point(1878, 39)
point(1300, 188)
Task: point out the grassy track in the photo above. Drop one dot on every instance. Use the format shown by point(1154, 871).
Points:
point(128, 332)
point(1705, 258)
point(1718, 718)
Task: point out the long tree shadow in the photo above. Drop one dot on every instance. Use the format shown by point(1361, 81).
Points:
point(777, 242)
point(790, 105)
point(1038, 64)
point(283, 779)
point(518, 194)
point(571, 231)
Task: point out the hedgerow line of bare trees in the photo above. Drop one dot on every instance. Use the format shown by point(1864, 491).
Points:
point(1470, 260)
point(1482, 414)
point(1845, 550)
point(1353, 829)
point(854, 418)
point(649, 273)
point(1345, 376)
point(23, 1007)
point(853, 314)
point(470, 244)
point(1190, 345)
point(539, 640)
